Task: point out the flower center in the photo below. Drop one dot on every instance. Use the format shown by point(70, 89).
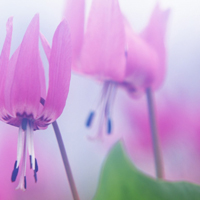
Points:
point(25, 140)
point(106, 104)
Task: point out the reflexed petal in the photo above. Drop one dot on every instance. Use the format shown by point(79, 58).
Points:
point(103, 53)
point(142, 61)
point(8, 80)
point(4, 59)
point(25, 90)
point(75, 15)
point(59, 73)
point(46, 46)
point(154, 35)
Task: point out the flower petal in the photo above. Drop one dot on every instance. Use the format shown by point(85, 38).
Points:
point(25, 90)
point(75, 15)
point(59, 73)
point(154, 35)
point(8, 80)
point(103, 53)
point(42, 82)
point(46, 46)
point(4, 60)
point(142, 62)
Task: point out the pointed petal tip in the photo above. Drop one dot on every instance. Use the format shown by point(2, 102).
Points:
point(9, 22)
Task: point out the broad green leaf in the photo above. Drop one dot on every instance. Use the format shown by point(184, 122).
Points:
point(120, 180)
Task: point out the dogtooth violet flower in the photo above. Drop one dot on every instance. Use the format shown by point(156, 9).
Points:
point(112, 53)
point(101, 54)
point(146, 54)
point(22, 88)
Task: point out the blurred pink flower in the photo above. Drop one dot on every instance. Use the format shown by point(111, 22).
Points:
point(146, 54)
point(112, 53)
point(23, 86)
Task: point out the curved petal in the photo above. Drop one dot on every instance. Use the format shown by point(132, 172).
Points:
point(75, 15)
point(154, 35)
point(25, 90)
point(59, 74)
point(46, 46)
point(103, 53)
point(42, 82)
point(142, 62)
point(4, 60)
point(8, 80)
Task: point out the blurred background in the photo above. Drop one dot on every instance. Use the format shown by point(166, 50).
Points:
point(177, 107)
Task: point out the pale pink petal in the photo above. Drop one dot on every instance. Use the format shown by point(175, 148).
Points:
point(75, 15)
point(46, 46)
point(25, 90)
point(103, 52)
point(42, 78)
point(59, 73)
point(142, 62)
point(4, 59)
point(154, 35)
point(8, 80)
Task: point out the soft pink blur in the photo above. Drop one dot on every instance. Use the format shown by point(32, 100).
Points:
point(178, 134)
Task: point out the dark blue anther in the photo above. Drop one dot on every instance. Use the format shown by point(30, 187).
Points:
point(35, 176)
point(109, 126)
point(24, 123)
point(15, 172)
point(89, 120)
point(36, 165)
point(30, 161)
point(25, 182)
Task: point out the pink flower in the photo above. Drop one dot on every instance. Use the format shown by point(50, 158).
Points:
point(112, 53)
point(102, 53)
point(146, 54)
point(23, 87)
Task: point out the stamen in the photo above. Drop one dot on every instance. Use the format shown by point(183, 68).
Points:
point(106, 103)
point(90, 119)
point(35, 176)
point(32, 147)
point(36, 165)
point(22, 182)
point(25, 182)
point(30, 157)
point(109, 106)
point(15, 172)
point(19, 146)
point(109, 126)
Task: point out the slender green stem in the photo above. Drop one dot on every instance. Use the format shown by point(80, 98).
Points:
point(65, 161)
point(64, 157)
point(154, 133)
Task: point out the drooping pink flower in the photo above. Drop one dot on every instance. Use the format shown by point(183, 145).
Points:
point(112, 53)
point(146, 54)
point(23, 87)
point(102, 54)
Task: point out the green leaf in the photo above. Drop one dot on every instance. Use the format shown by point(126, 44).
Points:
point(120, 180)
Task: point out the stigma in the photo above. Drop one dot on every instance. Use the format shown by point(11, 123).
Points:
point(105, 106)
point(25, 143)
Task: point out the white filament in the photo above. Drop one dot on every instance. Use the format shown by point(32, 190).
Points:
point(19, 146)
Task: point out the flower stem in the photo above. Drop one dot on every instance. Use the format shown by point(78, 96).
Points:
point(64, 157)
point(65, 161)
point(154, 133)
